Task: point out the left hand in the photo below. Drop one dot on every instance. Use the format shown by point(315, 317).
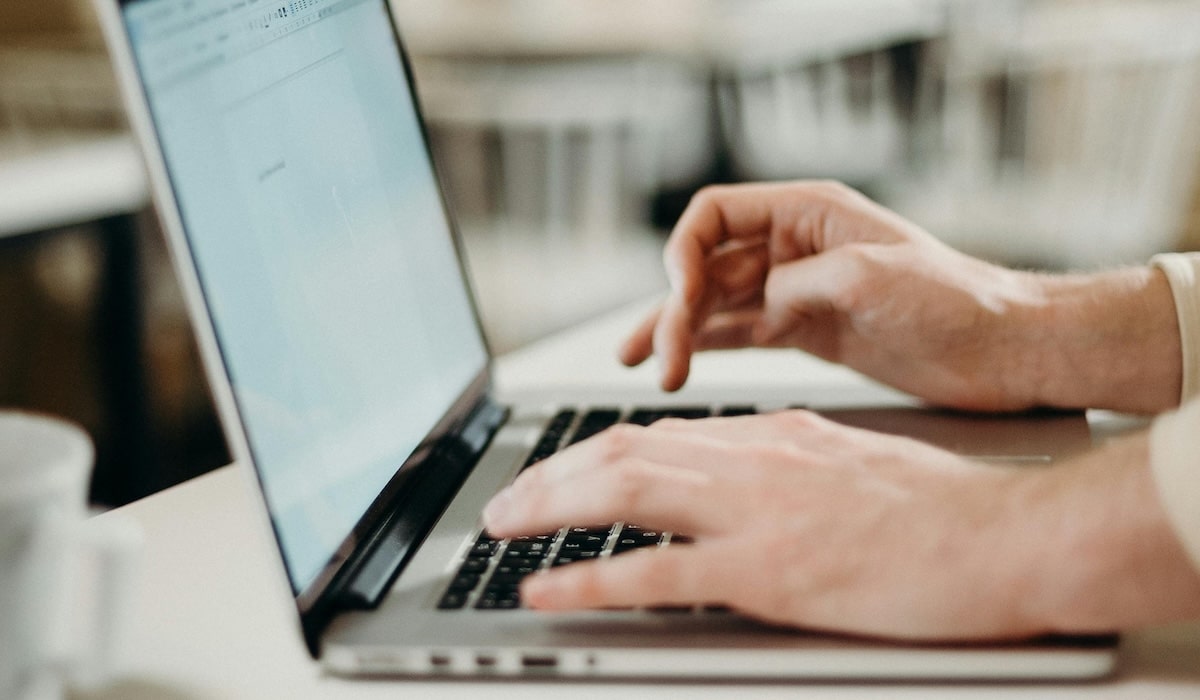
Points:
point(797, 520)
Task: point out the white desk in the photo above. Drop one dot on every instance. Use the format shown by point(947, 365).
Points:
point(214, 619)
point(55, 182)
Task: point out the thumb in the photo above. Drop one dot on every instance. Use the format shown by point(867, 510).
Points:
point(818, 284)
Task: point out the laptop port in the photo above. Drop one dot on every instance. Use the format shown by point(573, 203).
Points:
point(485, 661)
point(539, 660)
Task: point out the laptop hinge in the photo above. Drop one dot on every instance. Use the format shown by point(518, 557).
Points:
point(447, 468)
point(436, 481)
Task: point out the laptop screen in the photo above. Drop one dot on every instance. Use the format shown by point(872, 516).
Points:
point(321, 242)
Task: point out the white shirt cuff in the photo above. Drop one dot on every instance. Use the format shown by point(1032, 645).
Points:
point(1176, 466)
point(1183, 273)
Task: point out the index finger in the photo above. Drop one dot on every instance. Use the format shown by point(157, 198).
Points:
point(714, 216)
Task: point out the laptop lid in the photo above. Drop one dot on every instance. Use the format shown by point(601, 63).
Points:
point(296, 183)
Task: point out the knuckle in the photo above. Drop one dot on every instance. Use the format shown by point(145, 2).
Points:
point(616, 442)
point(588, 583)
point(857, 262)
point(650, 575)
point(831, 190)
point(796, 419)
point(627, 484)
point(529, 489)
point(709, 194)
point(646, 572)
point(674, 424)
point(777, 284)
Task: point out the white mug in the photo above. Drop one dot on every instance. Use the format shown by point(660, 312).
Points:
point(64, 585)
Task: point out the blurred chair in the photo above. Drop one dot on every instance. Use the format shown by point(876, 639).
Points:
point(564, 149)
point(811, 89)
point(1067, 131)
point(551, 164)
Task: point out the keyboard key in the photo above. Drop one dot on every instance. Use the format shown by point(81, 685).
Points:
point(551, 438)
point(483, 549)
point(595, 421)
point(536, 538)
point(518, 561)
point(571, 558)
point(464, 582)
point(589, 531)
point(587, 538)
point(473, 566)
point(528, 548)
point(634, 537)
point(647, 416)
point(569, 548)
point(508, 578)
point(519, 572)
point(520, 557)
point(453, 600)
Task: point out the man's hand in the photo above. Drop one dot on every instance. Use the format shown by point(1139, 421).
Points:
point(817, 266)
point(803, 522)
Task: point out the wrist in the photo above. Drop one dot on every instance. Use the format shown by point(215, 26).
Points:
point(1104, 340)
point(1098, 551)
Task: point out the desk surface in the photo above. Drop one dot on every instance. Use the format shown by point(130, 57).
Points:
point(57, 182)
point(215, 620)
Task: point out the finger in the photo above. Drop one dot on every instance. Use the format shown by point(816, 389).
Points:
point(604, 479)
point(728, 330)
point(713, 216)
point(672, 342)
point(737, 271)
point(635, 490)
point(817, 284)
point(695, 451)
point(794, 426)
point(679, 575)
point(813, 438)
point(638, 347)
point(716, 215)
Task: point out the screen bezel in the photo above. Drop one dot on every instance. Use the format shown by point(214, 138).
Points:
point(311, 597)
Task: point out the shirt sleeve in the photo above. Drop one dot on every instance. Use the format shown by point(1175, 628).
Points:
point(1183, 273)
point(1175, 437)
point(1175, 461)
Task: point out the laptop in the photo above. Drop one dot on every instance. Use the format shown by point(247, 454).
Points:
point(293, 176)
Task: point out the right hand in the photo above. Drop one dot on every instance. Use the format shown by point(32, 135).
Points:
point(819, 267)
point(802, 522)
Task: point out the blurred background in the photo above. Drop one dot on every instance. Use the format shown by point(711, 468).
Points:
point(1047, 134)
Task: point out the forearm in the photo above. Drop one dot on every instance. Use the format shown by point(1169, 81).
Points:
point(1105, 340)
point(1100, 550)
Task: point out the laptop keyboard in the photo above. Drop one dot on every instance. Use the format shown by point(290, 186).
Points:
point(492, 569)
